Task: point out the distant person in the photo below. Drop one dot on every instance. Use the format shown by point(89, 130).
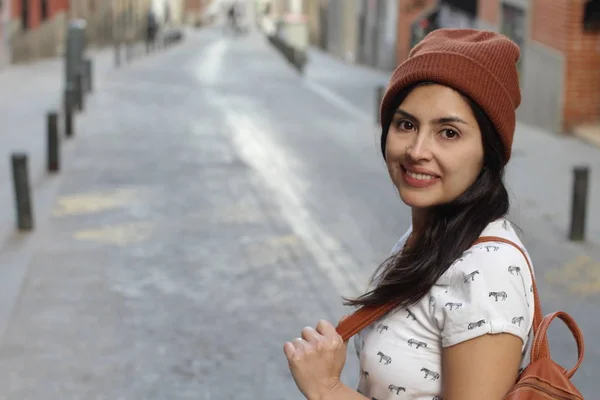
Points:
point(461, 314)
point(232, 17)
point(151, 29)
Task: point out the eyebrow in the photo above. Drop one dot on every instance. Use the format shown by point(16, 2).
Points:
point(443, 120)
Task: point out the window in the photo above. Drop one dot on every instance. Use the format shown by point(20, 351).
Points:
point(591, 16)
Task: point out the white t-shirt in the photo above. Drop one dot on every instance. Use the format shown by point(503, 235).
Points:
point(487, 290)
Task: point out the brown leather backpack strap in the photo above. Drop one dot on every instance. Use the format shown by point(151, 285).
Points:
point(543, 329)
point(544, 348)
point(362, 318)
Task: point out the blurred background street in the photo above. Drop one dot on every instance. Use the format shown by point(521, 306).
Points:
point(224, 186)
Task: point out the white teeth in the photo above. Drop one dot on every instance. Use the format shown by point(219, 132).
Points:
point(421, 177)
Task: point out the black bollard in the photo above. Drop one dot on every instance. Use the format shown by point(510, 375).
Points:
point(379, 99)
point(22, 191)
point(68, 110)
point(53, 156)
point(79, 88)
point(579, 203)
point(89, 77)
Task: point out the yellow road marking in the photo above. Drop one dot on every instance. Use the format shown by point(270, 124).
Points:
point(120, 235)
point(88, 203)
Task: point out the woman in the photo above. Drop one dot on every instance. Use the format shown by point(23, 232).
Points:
point(463, 327)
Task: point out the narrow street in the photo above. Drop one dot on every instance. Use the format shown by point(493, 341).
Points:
point(215, 202)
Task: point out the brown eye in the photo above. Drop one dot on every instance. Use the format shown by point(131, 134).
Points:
point(405, 125)
point(450, 134)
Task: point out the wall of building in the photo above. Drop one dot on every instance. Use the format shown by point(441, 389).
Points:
point(559, 60)
point(367, 32)
point(335, 27)
point(386, 38)
point(349, 45)
point(582, 78)
point(37, 35)
point(171, 10)
point(312, 10)
point(541, 67)
point(409, 11)
point(5, 53)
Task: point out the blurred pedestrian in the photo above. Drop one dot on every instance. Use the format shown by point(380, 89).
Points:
point(151, 30)
point(462, 323)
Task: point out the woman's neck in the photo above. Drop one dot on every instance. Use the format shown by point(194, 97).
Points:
point(419, 220)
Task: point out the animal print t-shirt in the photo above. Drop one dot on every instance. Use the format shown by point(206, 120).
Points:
point(487, 290)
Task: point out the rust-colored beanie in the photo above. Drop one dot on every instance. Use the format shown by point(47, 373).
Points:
point(479, 64)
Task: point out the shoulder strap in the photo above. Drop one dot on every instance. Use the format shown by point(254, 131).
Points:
point(366, 315)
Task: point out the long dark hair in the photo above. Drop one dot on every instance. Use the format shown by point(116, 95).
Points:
point(450, 228)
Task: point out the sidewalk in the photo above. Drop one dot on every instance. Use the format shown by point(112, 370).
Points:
point(27, 93)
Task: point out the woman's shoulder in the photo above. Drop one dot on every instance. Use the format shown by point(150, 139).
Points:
point(493, 254)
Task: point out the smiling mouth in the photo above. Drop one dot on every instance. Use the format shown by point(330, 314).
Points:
point(418, 176)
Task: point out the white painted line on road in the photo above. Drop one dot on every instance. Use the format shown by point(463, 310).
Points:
point(337, 100)
point(253, 138)
point(210, 62)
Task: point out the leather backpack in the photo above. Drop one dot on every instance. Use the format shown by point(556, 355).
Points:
point(542, 379)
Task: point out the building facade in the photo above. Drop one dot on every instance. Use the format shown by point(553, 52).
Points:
point(560, 58)
point(35, 28)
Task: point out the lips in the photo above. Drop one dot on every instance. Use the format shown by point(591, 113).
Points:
point(419, 177)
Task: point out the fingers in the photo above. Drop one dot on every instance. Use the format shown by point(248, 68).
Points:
point(326, 329)
point(324, 337)
point(310, 335)
point(295, 348)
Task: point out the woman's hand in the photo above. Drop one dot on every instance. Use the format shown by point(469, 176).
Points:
point(316, 360)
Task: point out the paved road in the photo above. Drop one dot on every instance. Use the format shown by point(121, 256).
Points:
point(215, 203)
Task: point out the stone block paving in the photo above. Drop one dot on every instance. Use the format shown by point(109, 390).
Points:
point(167, 271)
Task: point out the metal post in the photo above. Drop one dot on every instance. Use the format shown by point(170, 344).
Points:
point(89, 77)
point(69, 96)
point(79, 84)
point(579, 203)
point(22, 191)
point(53, 157)
point(379, 99)
point(75, 48)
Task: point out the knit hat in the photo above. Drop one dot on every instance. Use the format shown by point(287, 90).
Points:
point(479, 64)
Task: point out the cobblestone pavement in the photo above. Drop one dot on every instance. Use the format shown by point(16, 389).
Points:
point(217, 202)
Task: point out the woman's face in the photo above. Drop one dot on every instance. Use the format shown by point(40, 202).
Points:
point(434, 149)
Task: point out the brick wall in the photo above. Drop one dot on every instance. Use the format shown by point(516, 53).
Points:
point(582, 89)
point(409, 11)
point(557, 26)
point(35, 10)
point(549, 22)
point(489, 11)
point(44, 37)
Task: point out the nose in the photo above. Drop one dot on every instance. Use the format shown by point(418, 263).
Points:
point(420, 149)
